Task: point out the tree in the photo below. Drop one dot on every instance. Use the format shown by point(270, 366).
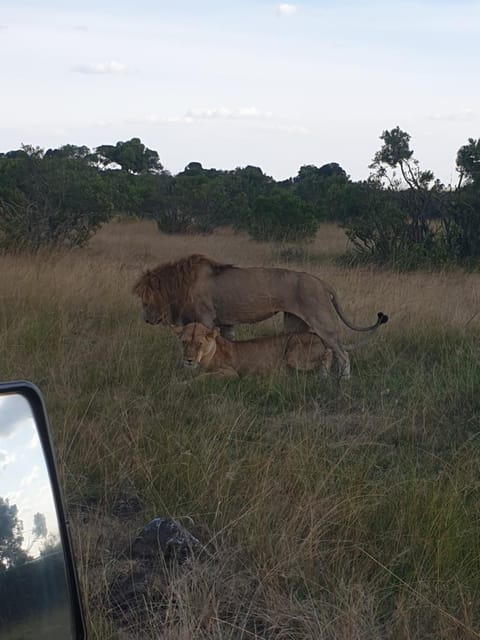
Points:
point(39, 526)
point(463, 212)
point(468, 162)
point(132, 156)
point(377, 228)
point(50, 200)
point(464, 219)
point(252, 182)
point(191, 203)
point(199, 200)
point(326, 188)
point(400, 201)
point(70, 151)
point(332, 170)
point(193, 168)
point(419, 187)
point(11, 537)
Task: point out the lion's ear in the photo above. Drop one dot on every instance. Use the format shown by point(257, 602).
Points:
point(176, 330)
point(215, 332)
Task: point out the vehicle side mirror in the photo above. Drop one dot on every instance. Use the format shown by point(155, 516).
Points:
point(39, 595)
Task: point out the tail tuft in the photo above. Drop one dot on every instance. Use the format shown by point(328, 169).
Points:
point(382, 318)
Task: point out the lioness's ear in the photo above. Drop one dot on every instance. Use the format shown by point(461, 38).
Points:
point(176, 330)
point(214, 332)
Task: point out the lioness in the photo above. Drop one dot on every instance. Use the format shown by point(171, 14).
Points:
point(207, 349)
point(197, 289)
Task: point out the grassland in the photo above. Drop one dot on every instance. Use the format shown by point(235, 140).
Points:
point(327, 511)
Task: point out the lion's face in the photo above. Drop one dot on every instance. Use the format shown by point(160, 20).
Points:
point(198, 342)
point(151, 314)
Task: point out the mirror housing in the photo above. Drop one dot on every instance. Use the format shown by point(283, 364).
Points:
point(39, 580)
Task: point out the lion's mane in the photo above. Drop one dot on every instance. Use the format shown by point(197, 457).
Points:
point(170, 284)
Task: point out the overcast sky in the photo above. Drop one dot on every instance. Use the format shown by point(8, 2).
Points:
point(249, 82)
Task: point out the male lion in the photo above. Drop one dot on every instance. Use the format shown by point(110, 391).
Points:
point(205, 348)
point(197, 289)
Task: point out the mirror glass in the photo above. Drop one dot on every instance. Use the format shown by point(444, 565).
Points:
point(34, 595)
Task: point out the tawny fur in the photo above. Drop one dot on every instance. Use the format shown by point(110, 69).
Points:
point(205, 348)
point(197, 289)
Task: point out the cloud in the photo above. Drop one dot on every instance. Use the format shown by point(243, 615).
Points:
point(222, 113)
point(15, 414)
point(286, 9)
point(256, 117)
point(151, 118)
point(5, 459)
point(34, 441)
point(111, 67)
point(193, 114)
point(31, 477)
point(465, 115)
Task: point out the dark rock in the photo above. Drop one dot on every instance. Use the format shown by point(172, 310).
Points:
point(163, 537)
point(143, 574)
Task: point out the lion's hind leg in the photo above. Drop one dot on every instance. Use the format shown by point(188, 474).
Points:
point(326, 363)
point(307, 354)
point(293, 324)
point(342, 363)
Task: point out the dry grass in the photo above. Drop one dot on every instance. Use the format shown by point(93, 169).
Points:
point(106, 270)
point(326, 512)
point(138, 242)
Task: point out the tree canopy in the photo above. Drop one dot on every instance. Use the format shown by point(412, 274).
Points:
point(61, 197)
point(132, 156)
point(11, 537)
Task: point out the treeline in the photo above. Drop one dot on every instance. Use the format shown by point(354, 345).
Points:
point(400, 214)
point(63, 195)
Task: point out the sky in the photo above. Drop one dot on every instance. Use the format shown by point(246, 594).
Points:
point(24, 478)
point(227, 84)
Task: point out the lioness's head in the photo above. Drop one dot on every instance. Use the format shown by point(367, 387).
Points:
point(198, 342)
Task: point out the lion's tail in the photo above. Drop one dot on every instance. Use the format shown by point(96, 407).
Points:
point(382, 318)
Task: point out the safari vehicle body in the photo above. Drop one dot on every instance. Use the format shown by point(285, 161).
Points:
point(39, 595)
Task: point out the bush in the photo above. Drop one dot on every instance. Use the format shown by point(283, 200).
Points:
point(378, 228)
point(29, 225)
point(382, 235)
point(191, 203)
point(463, 223)
point(281, 217)
point(49, 201)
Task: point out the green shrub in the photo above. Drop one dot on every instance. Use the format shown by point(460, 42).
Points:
point(49, 201)
point(281, 217)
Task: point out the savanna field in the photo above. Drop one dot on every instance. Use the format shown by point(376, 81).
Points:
point(326, 510)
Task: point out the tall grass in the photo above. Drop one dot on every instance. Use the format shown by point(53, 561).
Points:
point(327, 511)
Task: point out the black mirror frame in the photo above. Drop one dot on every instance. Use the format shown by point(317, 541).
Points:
point(33, 396)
